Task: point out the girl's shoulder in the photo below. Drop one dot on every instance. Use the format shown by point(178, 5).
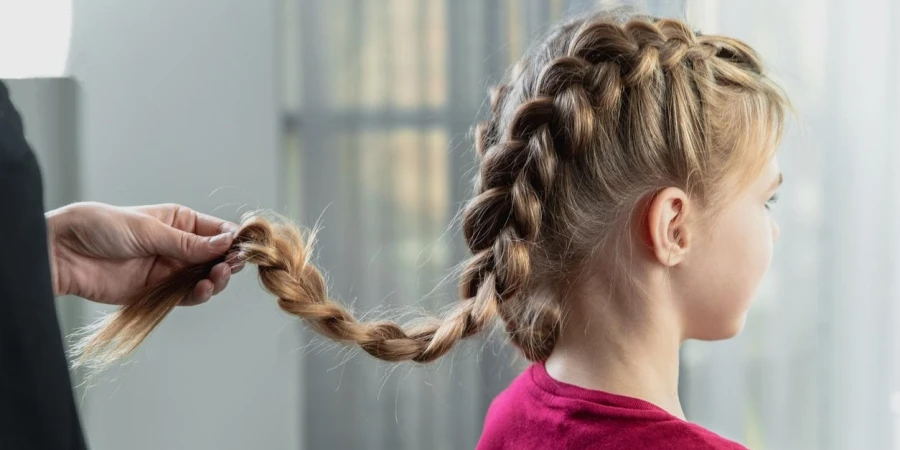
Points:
point(534, 413)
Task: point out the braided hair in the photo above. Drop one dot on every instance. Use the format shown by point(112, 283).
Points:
point(606, 110)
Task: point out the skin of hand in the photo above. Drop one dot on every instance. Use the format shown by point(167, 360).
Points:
point(109, 254)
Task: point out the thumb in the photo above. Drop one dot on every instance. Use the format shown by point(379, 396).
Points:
point(189, 247)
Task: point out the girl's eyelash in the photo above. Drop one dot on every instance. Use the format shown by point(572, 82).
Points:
point(773, 200)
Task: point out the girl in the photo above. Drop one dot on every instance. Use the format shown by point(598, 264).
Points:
point(625, 177)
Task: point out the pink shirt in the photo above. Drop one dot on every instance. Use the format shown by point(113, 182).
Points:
point(538, 412)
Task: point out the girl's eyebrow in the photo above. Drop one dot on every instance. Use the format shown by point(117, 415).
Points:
point(778, 182)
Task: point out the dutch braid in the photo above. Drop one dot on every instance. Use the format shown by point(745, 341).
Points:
point(600, 111)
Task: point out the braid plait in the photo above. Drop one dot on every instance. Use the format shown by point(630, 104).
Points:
point(502, 223)
point(282, 256)
point(640, 48)
point(301, 291)
point(603, 65)
point(604, 111)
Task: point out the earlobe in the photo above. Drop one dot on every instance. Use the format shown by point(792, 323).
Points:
point(669, 238)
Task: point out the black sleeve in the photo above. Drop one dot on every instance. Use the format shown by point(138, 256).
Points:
point(37, 408)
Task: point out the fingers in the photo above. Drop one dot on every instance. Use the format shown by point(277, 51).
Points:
point(211, 226)
point(188, 220)
point(218, 280)
point(203, 291)
point(183, 246)
point(220, 275)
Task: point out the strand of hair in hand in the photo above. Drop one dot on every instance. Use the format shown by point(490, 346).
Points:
point(282, 254)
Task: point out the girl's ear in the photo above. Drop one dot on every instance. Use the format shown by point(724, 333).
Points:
point(666, 226)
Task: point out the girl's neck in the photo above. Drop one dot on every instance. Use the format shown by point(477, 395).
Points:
point(603, 349)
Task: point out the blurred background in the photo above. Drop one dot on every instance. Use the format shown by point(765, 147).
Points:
point(355, 114)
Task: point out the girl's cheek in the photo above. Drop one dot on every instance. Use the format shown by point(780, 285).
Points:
point(776, 231)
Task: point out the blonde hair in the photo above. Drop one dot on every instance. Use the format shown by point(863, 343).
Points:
point(608, 109)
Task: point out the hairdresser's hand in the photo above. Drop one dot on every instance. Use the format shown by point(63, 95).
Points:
point(108, 254)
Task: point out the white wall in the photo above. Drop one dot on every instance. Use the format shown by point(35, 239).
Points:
point(178, 101)
point(49, 109)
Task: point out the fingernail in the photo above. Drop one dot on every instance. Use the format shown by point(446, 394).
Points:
point(220, 240)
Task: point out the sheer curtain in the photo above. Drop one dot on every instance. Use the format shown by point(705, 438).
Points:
point(817, 366)
point(379, 98)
